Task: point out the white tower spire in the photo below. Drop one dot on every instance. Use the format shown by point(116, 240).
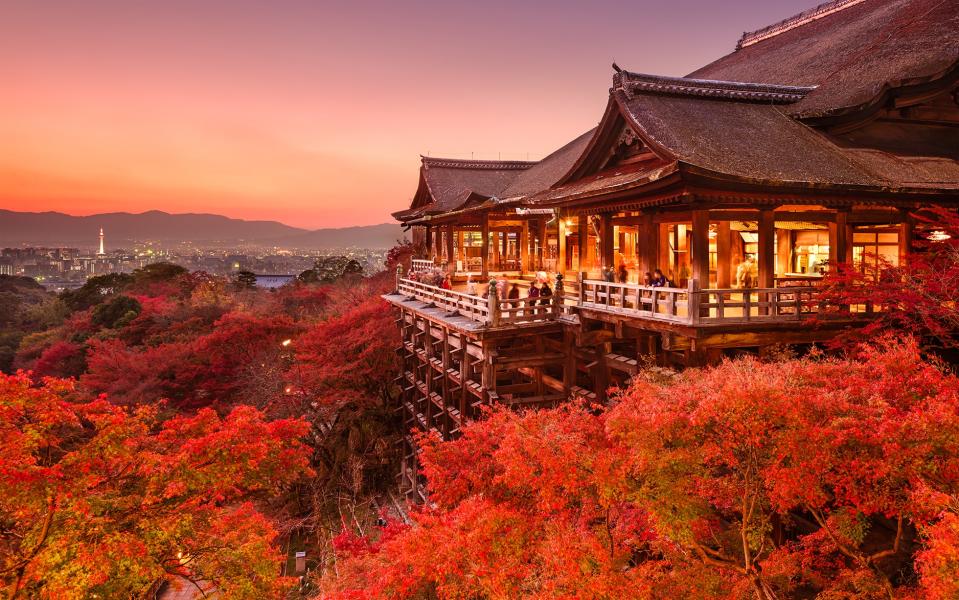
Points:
point(101, 252)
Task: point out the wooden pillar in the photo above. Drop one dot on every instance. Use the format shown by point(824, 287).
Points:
point(647, 245)
point(494, 246)
point(541, 246)
point(905, 236)
point(784, 247)
point(485, 245)
point(524, 248)
point(504, 247)
point(767, 248)
point(723, 254)
point(429, 242)
point(569, 364)
point(700, 249)
point(450, 256)
point(606, 231)
point(840, 239)
point(561, 259)
point(583, 243)
point(662, 249)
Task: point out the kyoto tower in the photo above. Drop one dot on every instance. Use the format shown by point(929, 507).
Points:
point(100, 252)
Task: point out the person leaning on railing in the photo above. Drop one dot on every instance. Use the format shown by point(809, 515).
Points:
point(659, 279)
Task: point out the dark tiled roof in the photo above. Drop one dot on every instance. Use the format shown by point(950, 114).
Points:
point(448, 184)
point(451, 181)
point(759, 142)
point(739, 138)
point(852, 54)
point(604, 183)
point(548, 171)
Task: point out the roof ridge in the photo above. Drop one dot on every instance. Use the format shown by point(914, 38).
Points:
point(807, 16)
point(492, 165)
point(731, 90)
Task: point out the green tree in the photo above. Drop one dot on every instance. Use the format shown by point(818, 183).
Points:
point(95, 290)
point(245, 280)
point(117, 312)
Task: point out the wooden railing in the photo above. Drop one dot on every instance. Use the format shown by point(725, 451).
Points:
point(420, 265)
point(663, 303)
point(688, 305)
point(756, 304)
point(693, 306)
point(492, 310)
point(472, 307)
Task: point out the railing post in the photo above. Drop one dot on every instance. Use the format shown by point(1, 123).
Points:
point(558, 296)
point(493, 295)
point(581, 277)
point(693, 300)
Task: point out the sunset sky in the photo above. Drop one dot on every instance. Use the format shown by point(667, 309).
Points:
point(314, 113)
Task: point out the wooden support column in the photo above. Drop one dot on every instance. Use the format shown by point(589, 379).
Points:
point(485, 246)
point(647, 244)
point(700, 249)
point(784, 246)
point(723, 252)
point(569, 365)
point(840, 239)
point(662, 249)
point(494, 246)
point(561, 259)
point(767, 248)
point(606, 230)
point(504, 248)
point(541, 243)
point(906, 228)
point(465, 376)
point(524, 248)
point(450, 256)
point(446, 383)
point(429, 242)
point(583, 243)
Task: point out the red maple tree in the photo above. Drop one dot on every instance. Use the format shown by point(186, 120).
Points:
point(103, 501)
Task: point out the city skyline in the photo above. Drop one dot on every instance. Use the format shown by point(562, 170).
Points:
point(118, 107)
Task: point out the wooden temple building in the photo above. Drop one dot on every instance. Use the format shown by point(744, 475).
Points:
point(815, 142)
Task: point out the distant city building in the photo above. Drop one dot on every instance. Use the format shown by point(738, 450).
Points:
point(273, 281)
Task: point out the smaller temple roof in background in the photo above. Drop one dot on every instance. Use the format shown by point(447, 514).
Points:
point(448, 184)
point(548, 171)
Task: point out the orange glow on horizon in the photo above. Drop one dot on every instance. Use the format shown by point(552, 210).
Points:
point(311, 113)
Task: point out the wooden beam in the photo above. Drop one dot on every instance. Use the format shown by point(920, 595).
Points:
point(700, 249)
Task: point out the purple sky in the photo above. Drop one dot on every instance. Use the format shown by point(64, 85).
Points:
point(314, 113)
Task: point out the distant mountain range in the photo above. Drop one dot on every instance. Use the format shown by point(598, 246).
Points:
point(54, 228)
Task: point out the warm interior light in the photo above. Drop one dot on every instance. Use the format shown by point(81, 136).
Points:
point(938, 236)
